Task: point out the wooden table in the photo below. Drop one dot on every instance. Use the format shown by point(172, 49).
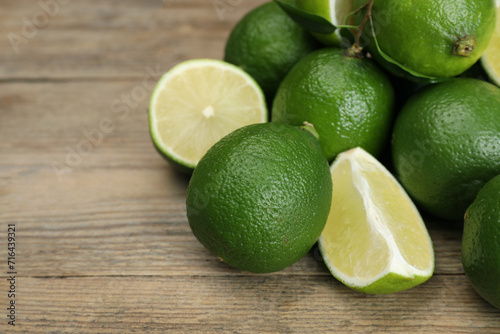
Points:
point(102, 240)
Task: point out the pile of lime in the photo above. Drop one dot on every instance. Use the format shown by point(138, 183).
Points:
point(379, 109)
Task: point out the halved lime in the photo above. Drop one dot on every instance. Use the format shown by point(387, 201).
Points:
point(491, 58)
point(374, 240)
point(197, 103)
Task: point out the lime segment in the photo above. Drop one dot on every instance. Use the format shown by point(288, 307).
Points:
point(491, 58)
point(197, 103)
point(375, 240)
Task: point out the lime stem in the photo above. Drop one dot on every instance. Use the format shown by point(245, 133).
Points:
point(465, 45)
point(361, 27)
point(356, 50)
point(357, 10)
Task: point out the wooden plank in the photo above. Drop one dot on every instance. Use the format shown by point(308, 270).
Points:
point(42, 123)
point(110, 39)
point(245, 304)
point(121, 209)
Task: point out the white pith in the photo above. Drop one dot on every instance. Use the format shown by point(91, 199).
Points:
point(339, 9)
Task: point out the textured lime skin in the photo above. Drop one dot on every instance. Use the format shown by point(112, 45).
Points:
point(481, 243)
point(260, 197)
point(446, 145)
point(349, 101)
point(266, 43)
point(421, 35)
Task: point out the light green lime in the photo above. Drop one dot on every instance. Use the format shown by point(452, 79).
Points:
point(374, 240)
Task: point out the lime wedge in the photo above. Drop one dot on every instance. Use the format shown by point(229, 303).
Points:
point(197, 103)
point(374, 240)
point(491, 58)
point(335, 11)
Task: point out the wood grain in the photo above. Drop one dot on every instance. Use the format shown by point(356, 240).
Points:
point(113, 39)
point(104, 245)
point(246, 304)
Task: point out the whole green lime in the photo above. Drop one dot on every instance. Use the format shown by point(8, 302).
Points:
point(446, 144)
point(266, 43)
point(348, 100)
point(260, 197)
point(437, 39)
point(481, 242)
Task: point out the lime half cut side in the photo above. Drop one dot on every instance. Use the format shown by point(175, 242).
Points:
point(491, 58)
point(197, 103)
point(374, 240)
